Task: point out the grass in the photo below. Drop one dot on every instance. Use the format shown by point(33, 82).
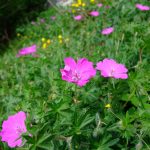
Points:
point(64, 116)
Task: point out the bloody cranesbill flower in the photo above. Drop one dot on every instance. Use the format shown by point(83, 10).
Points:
point(94, 13)
point(42, 20)
point(33, 23)
point(13, 128)
point(107, 7)
point(100, 5)
point(107, 30)
point(110, 68)
point(27, 50)
point(78, 18)
point(53, 17)
point(142, 7)
point(78, 72)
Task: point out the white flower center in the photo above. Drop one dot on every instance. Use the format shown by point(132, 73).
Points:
point(76, 76)
point(19, 130)
point(112, 72)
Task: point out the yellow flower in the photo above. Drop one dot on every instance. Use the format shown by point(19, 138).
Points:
point(48, 41)
point(60, 36)
point(92, 1)
point(60, 41)
point(73, 11)
point(83, 4)
point(18, 34)
point(80, 4)
point(43, 39)
point(44, 45)
point(76, 5)
point(79, 1)
point(108, 106)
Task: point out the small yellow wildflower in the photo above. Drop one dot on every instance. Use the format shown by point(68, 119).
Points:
point(76, 5)
point(83, 4)
point(108, 106)
point(60, 41)
point(43, 39)
point(92, 1)
point(44, 45)
point(48, 41)
point(18, 34)
point(73, 11)
point(79, 2)
point(60, 36)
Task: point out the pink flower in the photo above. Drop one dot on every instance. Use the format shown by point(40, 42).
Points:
point(107, 7)
point(12, 129)
point(42, 20)
point(107, 30)
point(78, 18)
point(77, 72)
point(53, 17)
point(27, 50)
point(94, 13)
point(142, 7)
point(110, 68)
point(33, 22)
point(100, 5)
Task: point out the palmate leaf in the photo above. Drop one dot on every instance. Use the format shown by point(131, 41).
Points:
point(44, 138)
point(45, 147)
point(105, 143)
point(81, 120)
point(58, 107)
point(42, 143)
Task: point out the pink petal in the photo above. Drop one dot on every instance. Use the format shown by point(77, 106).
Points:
point(78, 18)
point(100, 5)
point(94, 13)
point(27, 50)
point(107, 30)
point(142, 7)
point(70, 62)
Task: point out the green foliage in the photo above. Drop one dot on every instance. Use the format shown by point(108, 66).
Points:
point(62, 116)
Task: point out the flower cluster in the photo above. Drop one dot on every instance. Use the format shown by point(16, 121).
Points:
point(79, 3)
point(92, 13)
point(81, 71)
point(45, 43)
point(60, 39)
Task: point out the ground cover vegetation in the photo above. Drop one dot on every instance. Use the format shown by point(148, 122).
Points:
point(77, 78)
